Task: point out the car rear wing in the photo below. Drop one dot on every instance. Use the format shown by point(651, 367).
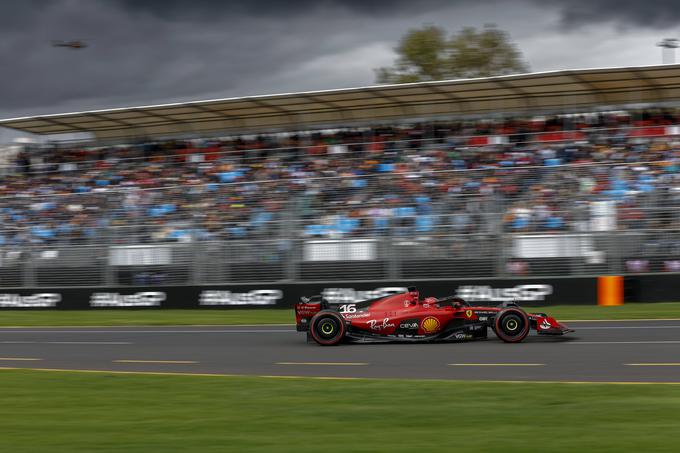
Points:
point(306, 309)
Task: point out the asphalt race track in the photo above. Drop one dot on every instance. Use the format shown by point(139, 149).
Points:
point(621, 351)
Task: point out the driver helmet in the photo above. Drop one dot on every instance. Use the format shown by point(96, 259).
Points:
point(430, 300)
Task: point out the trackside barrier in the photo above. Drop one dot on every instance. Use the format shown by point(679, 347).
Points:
point(524, 291)
point(528, 292)
point(610, 290)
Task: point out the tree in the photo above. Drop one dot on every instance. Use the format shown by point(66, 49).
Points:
point(426, 54)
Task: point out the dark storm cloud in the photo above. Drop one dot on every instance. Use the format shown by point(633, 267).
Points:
point(211, 8)
point(657, 13)
point(143, 51)
point(146, 51)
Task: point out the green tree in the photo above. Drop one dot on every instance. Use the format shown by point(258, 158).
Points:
point(426, 54)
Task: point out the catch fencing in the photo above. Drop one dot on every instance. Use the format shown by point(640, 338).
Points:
point(472, 256)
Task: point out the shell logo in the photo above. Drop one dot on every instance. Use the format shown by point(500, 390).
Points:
point(430, 324)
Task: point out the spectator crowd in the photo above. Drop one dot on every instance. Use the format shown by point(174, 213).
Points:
point(568, 173)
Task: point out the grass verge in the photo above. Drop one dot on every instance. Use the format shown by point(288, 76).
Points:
point(660, 310)
point(149, 317)
point(71, 411)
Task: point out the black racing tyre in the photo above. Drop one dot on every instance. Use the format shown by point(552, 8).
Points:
point(511, 325)
point(327, 328)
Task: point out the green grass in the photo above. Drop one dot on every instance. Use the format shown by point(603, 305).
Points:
point(660, 310)
point(70, 412)
point(285, 316)
point(148, 317)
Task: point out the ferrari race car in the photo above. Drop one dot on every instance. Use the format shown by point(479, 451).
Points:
point(404, 317)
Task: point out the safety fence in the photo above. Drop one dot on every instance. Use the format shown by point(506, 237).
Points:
point(504, 255)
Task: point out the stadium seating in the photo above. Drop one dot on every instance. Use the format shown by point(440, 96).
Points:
point(442, 179)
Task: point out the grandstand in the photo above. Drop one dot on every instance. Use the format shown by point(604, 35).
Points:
point(565, 173)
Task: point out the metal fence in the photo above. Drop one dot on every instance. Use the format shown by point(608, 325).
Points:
point(387, 258)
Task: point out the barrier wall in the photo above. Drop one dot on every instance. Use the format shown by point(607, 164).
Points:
point(524, 291)
point(528, 291)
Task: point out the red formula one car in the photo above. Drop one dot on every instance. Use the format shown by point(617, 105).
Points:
point(405, 317)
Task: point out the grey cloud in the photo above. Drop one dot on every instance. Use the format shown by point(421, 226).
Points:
point(218, 8)
point(146, 51)
point(654, 13)
point(158, 51)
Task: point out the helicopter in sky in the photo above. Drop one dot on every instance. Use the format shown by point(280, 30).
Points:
point(74, 44)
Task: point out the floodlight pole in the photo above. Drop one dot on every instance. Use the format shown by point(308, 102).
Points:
point(668, 46)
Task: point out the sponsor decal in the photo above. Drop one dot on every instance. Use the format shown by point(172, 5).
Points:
point(142, 299)
point(430, 324)
point(408, 325)
point(355, 315)
point(525, 293)
point(255, 297)
point(462, 336)
point(39, 300)
point(468, 313)
point(545, 324)
point(351, 295)
point(347, 308)
point(385, 324)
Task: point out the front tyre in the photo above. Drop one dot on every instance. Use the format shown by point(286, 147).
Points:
point(511, 325)
point(327, 328)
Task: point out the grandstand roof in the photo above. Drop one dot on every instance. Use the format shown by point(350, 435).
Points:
point(535, 92)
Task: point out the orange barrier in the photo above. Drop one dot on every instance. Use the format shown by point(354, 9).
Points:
point(610, 290)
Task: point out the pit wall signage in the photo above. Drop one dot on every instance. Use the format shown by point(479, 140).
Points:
point(522, 291)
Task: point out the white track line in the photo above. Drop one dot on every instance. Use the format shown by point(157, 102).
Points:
point(335, 378)
point(46, 328)
point(324, 363)
point(18, 359)
point(624, 342)
point(620, 320)
point(132, 326)
point(148, 331)
point(652, 364)
point(172, 362)
point(496, 364)
point(278, 330)
point(68, 342)
point(627, 327)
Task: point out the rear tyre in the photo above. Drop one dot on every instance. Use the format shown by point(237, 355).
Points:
point(327, 328)
point(511, 325)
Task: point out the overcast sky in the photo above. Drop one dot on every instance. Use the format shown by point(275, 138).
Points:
point(146, 51)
